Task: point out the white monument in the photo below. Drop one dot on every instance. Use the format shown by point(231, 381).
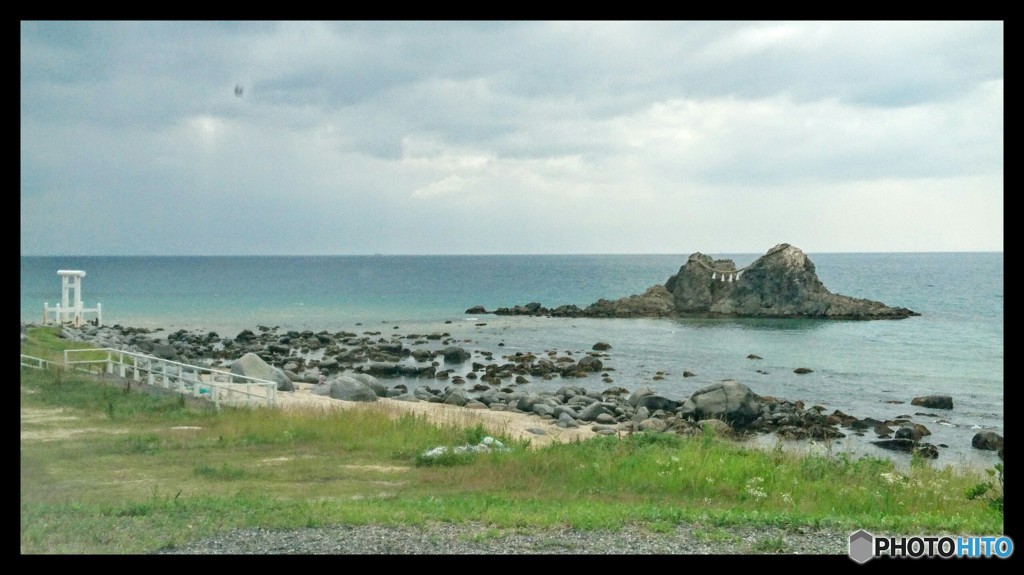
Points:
point(67, 311)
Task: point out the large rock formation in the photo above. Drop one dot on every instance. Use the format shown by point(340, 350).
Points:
point(782, 283)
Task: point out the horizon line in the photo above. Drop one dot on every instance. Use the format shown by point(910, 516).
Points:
point(381, 254)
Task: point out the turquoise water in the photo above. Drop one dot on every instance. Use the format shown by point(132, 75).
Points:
point(955, 347)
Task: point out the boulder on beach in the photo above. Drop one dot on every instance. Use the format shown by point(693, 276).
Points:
point(727, 400)
point(252, 365)
point(348, 388)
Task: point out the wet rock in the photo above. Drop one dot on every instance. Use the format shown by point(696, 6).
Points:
point(455, 354)
point(934, 401)
point(987, 440)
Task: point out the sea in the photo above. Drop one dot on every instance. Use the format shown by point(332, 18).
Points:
point(862, 368)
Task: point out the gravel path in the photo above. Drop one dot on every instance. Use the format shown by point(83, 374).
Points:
point(475, 539)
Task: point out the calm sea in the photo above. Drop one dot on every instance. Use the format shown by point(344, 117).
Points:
point(955, 347)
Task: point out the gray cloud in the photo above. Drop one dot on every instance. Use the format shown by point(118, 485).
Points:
point(510, 137)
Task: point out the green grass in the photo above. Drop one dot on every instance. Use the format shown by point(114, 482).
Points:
point(46, 343)
point(141, 473)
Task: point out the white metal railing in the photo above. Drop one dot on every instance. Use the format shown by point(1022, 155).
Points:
point(36, 362)
point(220, 387)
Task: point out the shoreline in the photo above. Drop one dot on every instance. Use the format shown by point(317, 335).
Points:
point(455, 376)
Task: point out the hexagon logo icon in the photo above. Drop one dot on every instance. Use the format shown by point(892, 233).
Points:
point(861, 546)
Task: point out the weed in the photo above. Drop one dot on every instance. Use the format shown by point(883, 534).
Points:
point(770, 544)
point(484, 535)
point(474, 435)
point(661, 526)
point(991, 493)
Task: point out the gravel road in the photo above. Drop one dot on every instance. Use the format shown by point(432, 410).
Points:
point(475, 539)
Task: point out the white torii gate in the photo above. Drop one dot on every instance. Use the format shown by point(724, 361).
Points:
point(66, 311)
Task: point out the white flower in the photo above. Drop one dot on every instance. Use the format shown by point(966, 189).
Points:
point(890, 478)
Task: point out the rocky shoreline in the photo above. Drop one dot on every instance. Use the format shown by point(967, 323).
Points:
point(358, 367)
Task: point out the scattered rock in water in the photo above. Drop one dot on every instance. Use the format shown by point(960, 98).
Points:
point(909, 446)
point(802, 370)
point(455, 354)
point(933, 401)
point(987, 440)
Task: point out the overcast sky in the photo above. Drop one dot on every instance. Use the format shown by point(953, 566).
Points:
point(276, 138)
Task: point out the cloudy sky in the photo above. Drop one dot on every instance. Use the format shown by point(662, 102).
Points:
point(277, 138)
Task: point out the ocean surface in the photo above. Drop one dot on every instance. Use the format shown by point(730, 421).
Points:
point(863, 368)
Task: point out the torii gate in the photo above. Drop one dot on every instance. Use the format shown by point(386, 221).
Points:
point(66, 311)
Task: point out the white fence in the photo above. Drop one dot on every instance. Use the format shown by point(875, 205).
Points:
point(220, 387)
point(36, 363)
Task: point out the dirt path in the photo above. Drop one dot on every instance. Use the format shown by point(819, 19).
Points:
point(512, 425)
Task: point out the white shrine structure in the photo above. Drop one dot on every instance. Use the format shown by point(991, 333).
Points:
point(68, 311)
